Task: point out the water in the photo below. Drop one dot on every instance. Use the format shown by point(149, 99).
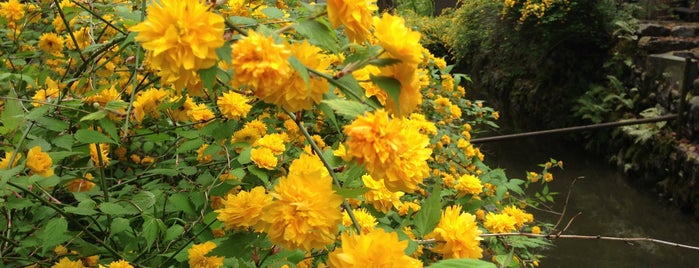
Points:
point(610, 206)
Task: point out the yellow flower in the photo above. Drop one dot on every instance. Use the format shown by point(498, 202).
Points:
point(548, 177)
point(408, 207)
point(366, 221)
point(182, 37)
point(39, 162)
point(263, 157)
point(5, 162)
point(379, 196)
point(60, 250)
point(45, 95)
point(65, 262)
point(355, 15)
point(400, 42)
point(244, 209)
point(296, 94)
point(81, 185)
point(252, 131)
point(260, 63)
point(363, 76)
point(179, 114)
point(201, 157)
point(147, 103)
point(375, 249)
point(536, 230)
point(50, 43)
point(105, 96)
point(305, 212)
point(119, 264)
point(233, 105)
point(274, 141)
point(82, 37)
point(521, 217)
point(12, 10)
point(457, 235)
point(102, 157)
point(499, 223)
point(198, 259)
point(469, 184)
point(410, 97)
point(200, 113)
point(389, 149)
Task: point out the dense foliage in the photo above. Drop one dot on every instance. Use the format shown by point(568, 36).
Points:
point(245, 134)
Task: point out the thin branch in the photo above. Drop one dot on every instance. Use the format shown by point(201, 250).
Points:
point(565, 205)
point(597, 237)
point(319, 152)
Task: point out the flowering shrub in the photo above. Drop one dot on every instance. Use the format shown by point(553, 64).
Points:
point(242, 133)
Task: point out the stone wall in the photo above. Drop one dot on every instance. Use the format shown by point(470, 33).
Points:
point(669, 161)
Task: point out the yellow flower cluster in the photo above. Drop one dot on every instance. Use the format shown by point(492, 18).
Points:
point(244, 209)
point(379, 196)
point(374, 249)
point(534, 8)
point(198, 259)
point(182, 37)
point(457, 235)
point(305, 211)
point(500, 223)
point(355, 15)
point(389, 150)
point(39, 162)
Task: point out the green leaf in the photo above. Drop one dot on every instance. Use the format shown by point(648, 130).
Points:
point(301, 69)
point(151, 230)
point(113, 209)
point(273, 13)
point(347, 108)
point(238, 245)
point(384, 62)
point(244, 156)
point(163, 171)
point(108, 127)
point(429, 215)
point(208, 76)
point(225, 53)
point(459, 263)
point(390, 85)
point(52, 124)
point(173, 232)
point(91, 136)
point(350, 192)
point(318, 34)
point(119, 225)
point(94, 116)
point(54, 232)
point(64, 141)
point(242, 20)
point(180, 202)
point(12, 114)
point(259, 173)
point(190, 145)
point(144, 200)
point(85, 207)
point(330, 115)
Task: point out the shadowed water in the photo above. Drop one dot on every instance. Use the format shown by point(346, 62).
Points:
point(610, 206)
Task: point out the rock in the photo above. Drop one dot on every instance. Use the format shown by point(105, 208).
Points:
point(693, 117)
point(655, 45)
point(652, 29)
point(683, 31)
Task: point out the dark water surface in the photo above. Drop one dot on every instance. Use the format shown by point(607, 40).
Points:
point(610, 206)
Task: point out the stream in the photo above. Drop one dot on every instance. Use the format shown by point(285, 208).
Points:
point(610, 206)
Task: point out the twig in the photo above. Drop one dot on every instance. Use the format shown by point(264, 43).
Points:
point(598, 237)
point(565, 205)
